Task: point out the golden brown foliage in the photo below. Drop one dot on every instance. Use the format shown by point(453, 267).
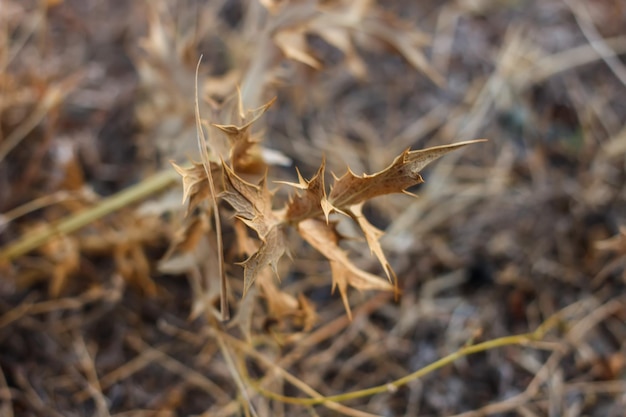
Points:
point(308, 210)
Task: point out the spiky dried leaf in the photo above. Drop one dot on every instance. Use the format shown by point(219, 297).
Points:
point(195, 184)
point(244, 152)
point(323, 237)
point(404, 172)
point(272, 248)
point(253, 206)
point(309, 203)
point(372, 235)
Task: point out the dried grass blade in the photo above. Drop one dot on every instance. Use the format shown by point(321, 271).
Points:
point(206, 161)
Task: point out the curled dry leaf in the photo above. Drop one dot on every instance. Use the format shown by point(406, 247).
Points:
point(195, 184)
point(307, 205)
point(253, 206)
point(372, 235)
point(244, 151)
point(323, 237)
point(185, 242)
point(286, 313)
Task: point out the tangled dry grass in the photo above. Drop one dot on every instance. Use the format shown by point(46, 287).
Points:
point(510, 265)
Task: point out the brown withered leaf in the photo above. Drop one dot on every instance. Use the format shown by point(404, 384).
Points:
point(307, 316)
point(272, 248)
point(242, 145)
point(245, 245)
point(195, 184)
point(252, 203)
point(404, 172)
point(342, 24)
point(286, 313)
point(407, 41)
point(292, 42)
point(187, 238)
point(372, 235)
point(323, 237)
point(309, 203)
point(279, 303)
point(253, 206)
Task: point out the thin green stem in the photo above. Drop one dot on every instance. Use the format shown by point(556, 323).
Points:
point(36, 238)
point(520, 339)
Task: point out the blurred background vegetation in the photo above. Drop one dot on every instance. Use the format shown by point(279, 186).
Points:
point(96, 97)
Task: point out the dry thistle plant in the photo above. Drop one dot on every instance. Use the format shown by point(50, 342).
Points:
point(234, 170)
point(100, 353)
point(234, 162)
point(307, 211)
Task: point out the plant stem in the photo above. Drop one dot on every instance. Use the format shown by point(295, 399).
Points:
point(73, 222)
point(520, 339)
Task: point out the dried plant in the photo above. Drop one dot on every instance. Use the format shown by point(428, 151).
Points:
point(269, 236)
point(308, 210)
